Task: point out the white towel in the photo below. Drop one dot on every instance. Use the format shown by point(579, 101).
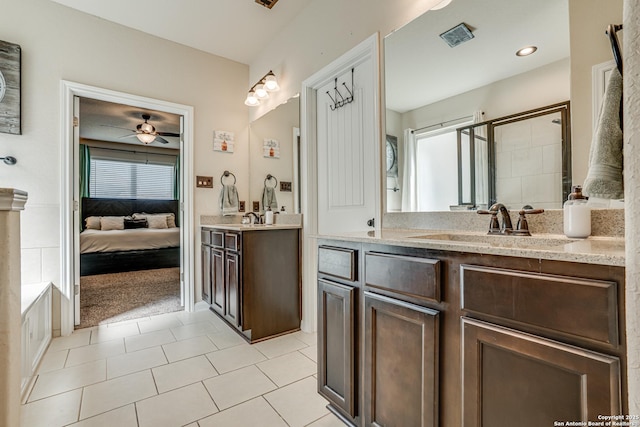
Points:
point(229, 202)
point(604, 178)
point(269, 198)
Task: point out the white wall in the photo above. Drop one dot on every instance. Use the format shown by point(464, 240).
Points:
point(59, 43)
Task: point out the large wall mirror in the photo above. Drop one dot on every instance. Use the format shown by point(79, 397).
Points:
point(274, 146)
point(433, 88)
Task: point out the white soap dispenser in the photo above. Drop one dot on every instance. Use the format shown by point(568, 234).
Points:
point(268, 216)
point(577, 214)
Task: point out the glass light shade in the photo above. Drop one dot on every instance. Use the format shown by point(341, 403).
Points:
point(270, 83)
point(145, 138)
point(261, 92)
point(441, 5)
point(251, 100)
point(146, 127)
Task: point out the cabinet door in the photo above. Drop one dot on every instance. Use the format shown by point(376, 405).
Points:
point(337, 359)
point(218, 294)
point(233, 289)
point(401, 363)
point(205, 252)
point(515, 379)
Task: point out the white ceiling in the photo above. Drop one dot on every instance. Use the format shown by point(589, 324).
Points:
point(234, 29)
point(420, 68)
point(107, 121)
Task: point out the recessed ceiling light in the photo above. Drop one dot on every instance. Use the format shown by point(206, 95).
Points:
point(525, 51)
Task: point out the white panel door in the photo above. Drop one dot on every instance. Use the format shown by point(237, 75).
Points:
point(347, 145)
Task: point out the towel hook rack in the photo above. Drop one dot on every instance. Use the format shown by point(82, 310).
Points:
point(270, 177)
point(612, 29)
point(339, 100)
point(9, 160)
point(226, 174)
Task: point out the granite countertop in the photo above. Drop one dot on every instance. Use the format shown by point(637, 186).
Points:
point(592, 250)
point(252, 227)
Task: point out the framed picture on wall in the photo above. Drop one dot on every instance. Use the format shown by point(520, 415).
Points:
point(10, 57)
point(392, 156)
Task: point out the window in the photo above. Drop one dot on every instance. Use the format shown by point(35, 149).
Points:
point(122, 175)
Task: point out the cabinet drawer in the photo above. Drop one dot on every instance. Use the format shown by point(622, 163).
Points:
point(583, 308)
point(232, 241)
point(412, 277)
point(217, 239)
point(338, 262)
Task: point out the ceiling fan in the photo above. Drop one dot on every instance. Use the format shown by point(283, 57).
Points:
point(146, 132)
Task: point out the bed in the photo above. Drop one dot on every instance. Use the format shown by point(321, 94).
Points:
point(116, 250)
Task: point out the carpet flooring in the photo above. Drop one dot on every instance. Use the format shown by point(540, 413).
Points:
point(108, 298)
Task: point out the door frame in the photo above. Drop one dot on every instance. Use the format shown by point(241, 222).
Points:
point(309, 165)
point(68, 205)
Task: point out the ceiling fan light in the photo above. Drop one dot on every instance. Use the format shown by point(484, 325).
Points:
point(145, 138)
point(271, 83)
point(147, 128)
point(261, 92)
point(251, 100)
point(441, 5)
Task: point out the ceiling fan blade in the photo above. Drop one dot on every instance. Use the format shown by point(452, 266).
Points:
point(118, 127)
point(127, 136)
point(161, 140)
point(168, 134)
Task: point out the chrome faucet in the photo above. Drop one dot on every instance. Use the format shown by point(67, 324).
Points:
point(256, 217)
point(494, 225)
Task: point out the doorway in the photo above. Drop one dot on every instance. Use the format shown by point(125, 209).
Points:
point(70, 201)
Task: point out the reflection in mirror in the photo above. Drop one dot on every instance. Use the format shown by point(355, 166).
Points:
point(274, 142)
point(521, 159)
point(431, 89)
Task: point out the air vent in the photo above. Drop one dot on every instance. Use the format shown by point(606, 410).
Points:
point(267, 3)
point(456, 35)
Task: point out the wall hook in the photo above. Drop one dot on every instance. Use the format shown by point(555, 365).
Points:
point(339, 100)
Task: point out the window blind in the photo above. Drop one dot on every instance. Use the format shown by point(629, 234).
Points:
point(119, 177)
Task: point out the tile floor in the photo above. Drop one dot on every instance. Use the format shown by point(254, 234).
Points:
point(176, 369)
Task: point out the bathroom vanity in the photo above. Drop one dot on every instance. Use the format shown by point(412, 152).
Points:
point(251, 277)
point(460, 329)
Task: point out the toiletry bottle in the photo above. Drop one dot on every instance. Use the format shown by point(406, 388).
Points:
point(268, 216)
point(577, 214)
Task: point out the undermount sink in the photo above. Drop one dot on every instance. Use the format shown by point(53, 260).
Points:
point(499, 240)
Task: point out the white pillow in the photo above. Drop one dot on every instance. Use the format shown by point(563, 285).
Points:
point(112, 223)
point(170, 217)
point(157, 221)
point(92, 223)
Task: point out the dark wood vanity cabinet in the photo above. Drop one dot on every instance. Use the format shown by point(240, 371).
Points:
point(339, 330)
point(254, 279)
point(460, 339)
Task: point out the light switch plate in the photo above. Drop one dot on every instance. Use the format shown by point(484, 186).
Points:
point(256, 206)
point(204, 181)
point(285, 186)
point(241, 207)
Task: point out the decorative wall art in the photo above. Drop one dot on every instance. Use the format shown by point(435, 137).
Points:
point(10, 56)
point(271, 148)
point(223, 141)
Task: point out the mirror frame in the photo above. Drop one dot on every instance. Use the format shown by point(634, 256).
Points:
point(565, 113)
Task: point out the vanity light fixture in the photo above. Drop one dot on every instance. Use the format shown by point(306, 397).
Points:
point(260, 90)
point(441, 5)
point(526, 51)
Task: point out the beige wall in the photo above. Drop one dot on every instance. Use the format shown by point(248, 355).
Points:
point(589, 46)
point(59, 43)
